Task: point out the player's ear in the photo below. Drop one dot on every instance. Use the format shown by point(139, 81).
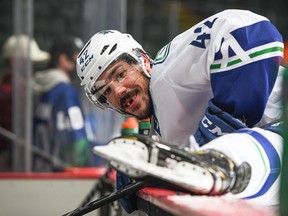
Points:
point(147, 63)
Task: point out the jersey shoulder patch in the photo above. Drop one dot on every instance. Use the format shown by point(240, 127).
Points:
point(162, 54)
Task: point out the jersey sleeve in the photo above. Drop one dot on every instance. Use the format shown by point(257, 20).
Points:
point(246, 53)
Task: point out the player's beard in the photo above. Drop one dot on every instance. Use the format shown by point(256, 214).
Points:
point(147, 112)
point(144, 109)
point(148, 109)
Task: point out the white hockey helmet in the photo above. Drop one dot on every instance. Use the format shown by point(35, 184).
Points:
point(98, 53)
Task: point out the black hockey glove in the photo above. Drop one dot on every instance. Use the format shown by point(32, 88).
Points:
point(215, 123)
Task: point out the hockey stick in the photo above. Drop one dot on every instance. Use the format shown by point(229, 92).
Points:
point(102, 201)
point(99, 186)
point(54, 161)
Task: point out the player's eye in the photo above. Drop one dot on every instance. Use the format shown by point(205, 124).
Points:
point(107, 91)
point(121, 76)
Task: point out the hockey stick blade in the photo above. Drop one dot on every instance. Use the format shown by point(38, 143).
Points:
point(102, 201)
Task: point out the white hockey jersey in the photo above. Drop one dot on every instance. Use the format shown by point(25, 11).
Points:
point(233, 57)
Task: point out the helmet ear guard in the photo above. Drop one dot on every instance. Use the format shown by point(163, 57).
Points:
point(101, 51)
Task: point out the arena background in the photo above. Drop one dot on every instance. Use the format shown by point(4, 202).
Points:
point(152, 22)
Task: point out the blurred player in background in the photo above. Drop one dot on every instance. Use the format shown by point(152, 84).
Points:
point(215, 86)
point(59, 125)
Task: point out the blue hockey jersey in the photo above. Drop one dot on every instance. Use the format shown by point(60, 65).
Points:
point(59, 127)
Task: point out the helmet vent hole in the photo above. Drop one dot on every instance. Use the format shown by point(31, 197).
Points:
point(82, 77)
point(91, 78)
point(113, 48)
point(104, 48)
point(99, 67)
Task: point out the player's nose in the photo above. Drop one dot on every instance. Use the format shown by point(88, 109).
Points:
point(119, 89)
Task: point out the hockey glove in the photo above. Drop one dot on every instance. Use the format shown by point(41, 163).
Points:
point(215, 123)
point(129, 202)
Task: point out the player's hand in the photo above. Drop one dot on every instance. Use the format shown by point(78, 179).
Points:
point(129, 202)
point(215, 123)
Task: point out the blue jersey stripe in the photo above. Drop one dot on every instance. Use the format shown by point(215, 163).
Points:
point(251, 83)
point(250, 37)
point(274, 161)
point(254, 37)
point(243, 91)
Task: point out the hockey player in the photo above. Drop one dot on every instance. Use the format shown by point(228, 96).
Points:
point(215, 86)
point(59, 127)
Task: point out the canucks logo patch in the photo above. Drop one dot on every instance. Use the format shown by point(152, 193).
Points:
point(162, 54)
